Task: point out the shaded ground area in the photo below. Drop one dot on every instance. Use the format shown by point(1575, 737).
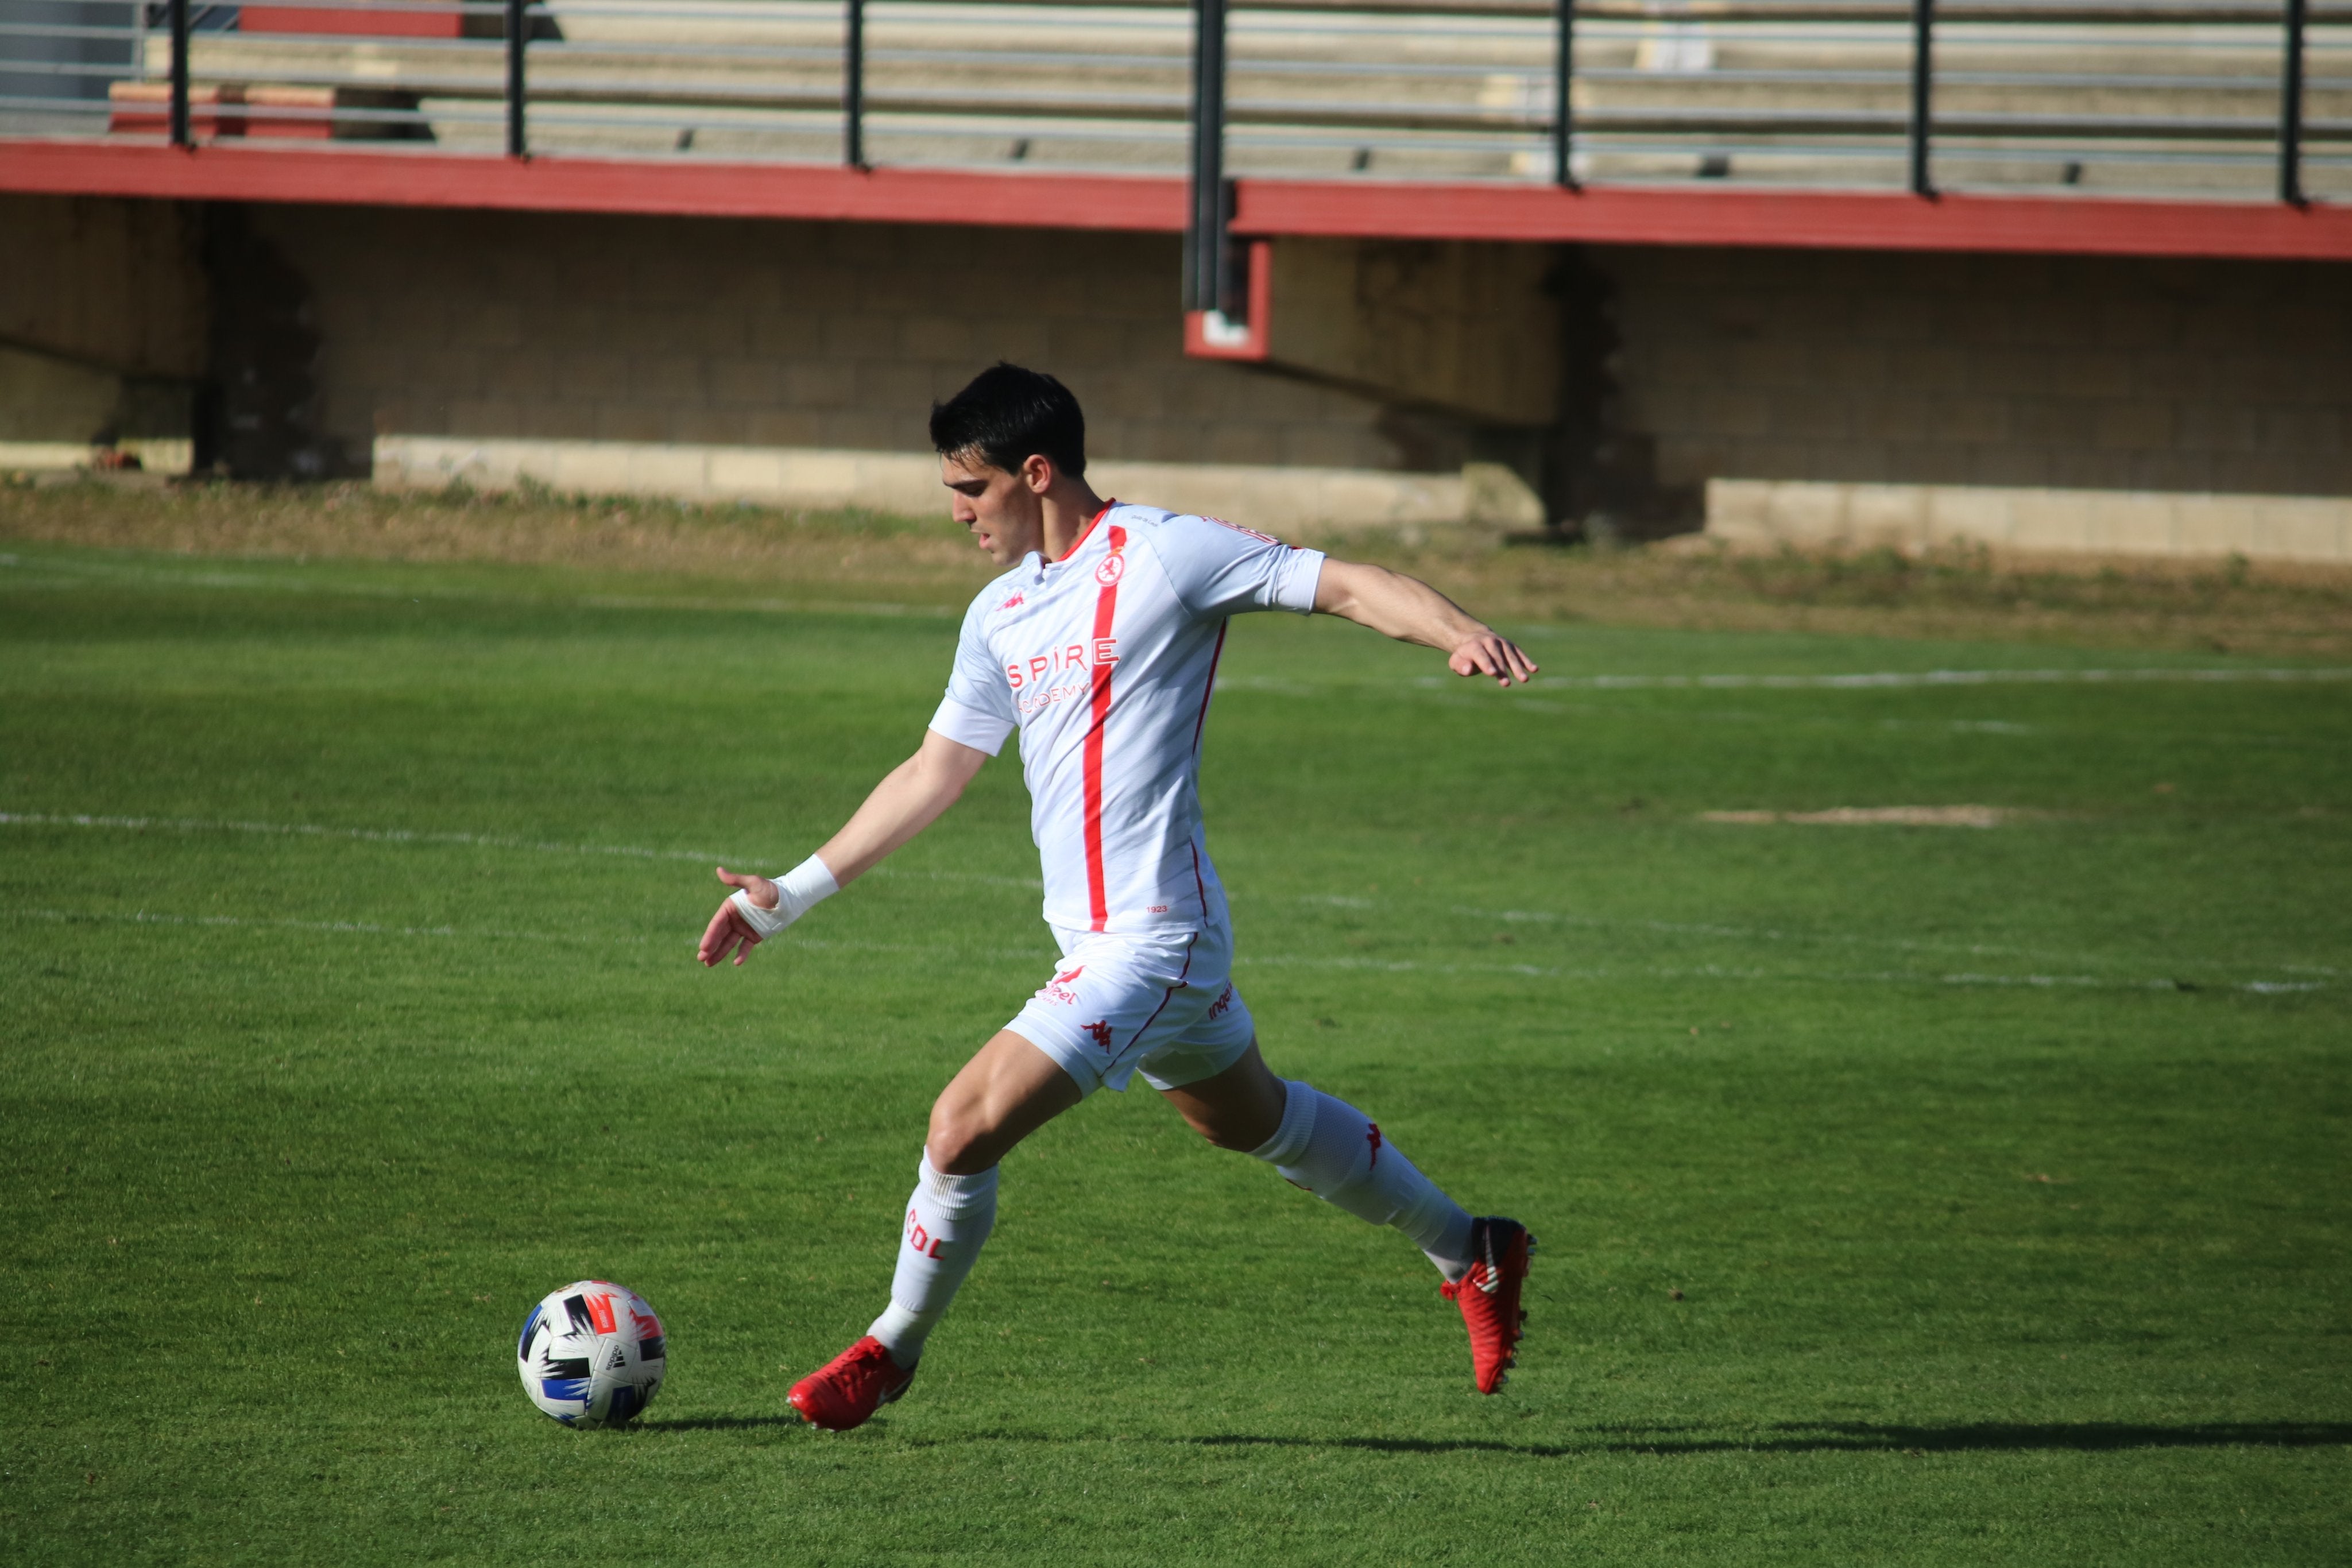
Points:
point(2222, 607)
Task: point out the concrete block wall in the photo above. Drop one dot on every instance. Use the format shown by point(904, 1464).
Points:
point(2069, 372)
point(2072, 403)
point(794, 343)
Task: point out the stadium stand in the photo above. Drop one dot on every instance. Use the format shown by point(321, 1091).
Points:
point(1482, 280)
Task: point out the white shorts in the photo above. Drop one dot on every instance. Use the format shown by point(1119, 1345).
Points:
point(1164, 1004)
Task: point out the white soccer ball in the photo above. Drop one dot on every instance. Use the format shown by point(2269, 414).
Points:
point(592, 1354)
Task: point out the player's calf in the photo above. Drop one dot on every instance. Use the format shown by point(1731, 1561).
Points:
point(1338, 1153)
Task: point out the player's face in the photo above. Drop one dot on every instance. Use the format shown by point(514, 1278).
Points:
point(1004, 512)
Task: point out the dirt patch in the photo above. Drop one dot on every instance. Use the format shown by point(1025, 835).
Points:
point(1881, 816)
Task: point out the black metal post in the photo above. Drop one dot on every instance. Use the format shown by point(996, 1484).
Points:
point(1204, 238)
point(852, 88)
point(518, 40)
point(2291, 110)
point(1923, 84)
point(179, 118)
point(1563, 116)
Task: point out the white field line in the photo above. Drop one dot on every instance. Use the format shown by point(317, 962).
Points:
point(1769, 976)
point(212, 577)
point(1272, 961)
point(471, 841)
point(1030, 884)
point(1877, 680)
point(488, 934)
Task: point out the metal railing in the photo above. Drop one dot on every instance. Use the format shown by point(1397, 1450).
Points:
point(2237, 99)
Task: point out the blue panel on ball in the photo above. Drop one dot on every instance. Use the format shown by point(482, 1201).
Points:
point(523, 1345)
point(564, 1387)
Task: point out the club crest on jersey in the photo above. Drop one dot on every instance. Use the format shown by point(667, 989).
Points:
point(1112, 568)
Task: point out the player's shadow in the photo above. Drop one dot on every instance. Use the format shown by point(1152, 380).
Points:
point(1791, 1437)
point(722, 1422)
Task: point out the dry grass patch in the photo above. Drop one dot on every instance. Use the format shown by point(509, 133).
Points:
point(2230, 607)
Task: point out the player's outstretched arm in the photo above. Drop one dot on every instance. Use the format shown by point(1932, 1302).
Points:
point(1410, 610)
point(909, 798)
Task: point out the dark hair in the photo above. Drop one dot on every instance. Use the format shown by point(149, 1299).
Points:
point(1006, 413)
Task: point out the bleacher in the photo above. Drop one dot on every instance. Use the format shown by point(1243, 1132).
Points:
point(2178, 98)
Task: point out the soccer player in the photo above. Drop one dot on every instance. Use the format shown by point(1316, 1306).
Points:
point(1099, 645)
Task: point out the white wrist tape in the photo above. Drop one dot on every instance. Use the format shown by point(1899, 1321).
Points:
point(798, 891)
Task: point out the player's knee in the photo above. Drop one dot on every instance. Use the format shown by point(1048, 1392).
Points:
point(954, 1140)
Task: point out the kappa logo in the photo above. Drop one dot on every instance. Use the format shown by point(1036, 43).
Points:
point(1100, 1031)
point(1112, 568)
point(1372, 1136)
point(1016, 603)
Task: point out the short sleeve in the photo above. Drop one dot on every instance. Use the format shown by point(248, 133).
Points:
point(978, 708)
point(1219, 570)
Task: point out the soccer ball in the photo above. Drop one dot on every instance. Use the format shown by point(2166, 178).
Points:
point(592, 1354)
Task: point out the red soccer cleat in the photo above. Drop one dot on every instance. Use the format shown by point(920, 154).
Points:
point(1489, 1298)
point(849, 1388)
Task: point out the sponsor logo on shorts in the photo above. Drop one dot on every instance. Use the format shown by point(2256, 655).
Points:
point(1372, 1136)
point(1223, 1004)
point(1100, 1032)
point(1057, 989)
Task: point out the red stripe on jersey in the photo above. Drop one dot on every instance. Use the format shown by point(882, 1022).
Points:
point(1106, 608)
point(1211, 685)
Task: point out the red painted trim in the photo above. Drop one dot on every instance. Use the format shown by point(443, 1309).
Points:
point(1829, 220)
point(669, 187)
point(377, 176)
point(1105, 610)
point(1087, 532)
point(1254, 348)
point(363, 21)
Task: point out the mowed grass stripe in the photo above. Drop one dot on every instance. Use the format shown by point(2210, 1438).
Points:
point(1968, 1271)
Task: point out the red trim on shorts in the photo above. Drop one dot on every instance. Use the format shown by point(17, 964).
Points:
point(1170, 997)
point(1106, 609)
point(1087, 532)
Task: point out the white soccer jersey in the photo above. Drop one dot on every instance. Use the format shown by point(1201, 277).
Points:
point(1103, 660)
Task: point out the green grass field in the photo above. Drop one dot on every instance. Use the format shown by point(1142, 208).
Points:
point(1918, 1194)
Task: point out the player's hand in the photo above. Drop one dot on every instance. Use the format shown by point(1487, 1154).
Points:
point(1489, 655)
point(728, 931)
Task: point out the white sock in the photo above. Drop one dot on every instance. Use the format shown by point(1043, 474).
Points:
point(1337, 1153)
point(948, 1220)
